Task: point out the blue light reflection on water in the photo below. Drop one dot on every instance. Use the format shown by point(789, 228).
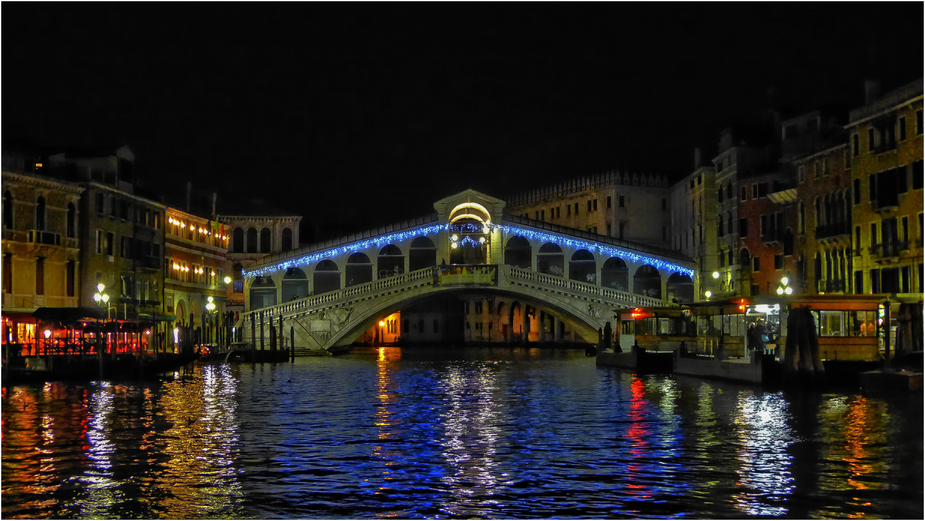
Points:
point(474, 433)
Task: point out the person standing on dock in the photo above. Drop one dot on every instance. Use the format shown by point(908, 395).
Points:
point(761, 335)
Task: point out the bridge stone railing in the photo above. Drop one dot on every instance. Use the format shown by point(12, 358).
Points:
point(366, 290)
point(425, 277)
point(559, 284)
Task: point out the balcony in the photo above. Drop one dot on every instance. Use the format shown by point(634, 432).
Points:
point(890, 249)
point(826, 231)
point(885, 204)
point(43, 237)
point(148, 263)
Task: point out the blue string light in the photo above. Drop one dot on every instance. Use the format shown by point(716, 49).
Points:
point(375, 242)
point(611, 251)
point(542, 237)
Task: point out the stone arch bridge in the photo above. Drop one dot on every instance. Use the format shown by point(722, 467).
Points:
point(332, 293)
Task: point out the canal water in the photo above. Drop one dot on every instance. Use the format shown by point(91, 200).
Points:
point(474, 433)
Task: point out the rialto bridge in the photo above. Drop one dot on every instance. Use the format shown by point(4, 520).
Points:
point(539, 280)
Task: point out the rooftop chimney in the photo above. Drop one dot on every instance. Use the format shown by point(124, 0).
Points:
point(871, 91)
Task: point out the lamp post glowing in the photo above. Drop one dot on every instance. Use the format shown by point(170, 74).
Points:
point(210, 307)
point(102, 298)
point(784, 287)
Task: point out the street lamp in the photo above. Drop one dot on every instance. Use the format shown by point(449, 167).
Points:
point(210, 307)
point(784, 287)
point(102, 298)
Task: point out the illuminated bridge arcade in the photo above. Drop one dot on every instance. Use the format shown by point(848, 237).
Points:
point(538, 282)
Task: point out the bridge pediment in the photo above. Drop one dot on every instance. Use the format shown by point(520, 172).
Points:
point(469, 201)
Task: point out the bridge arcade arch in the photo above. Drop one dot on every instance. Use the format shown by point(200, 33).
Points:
point(326, 277)
point(359, 270)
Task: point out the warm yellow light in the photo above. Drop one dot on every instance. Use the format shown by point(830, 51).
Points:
point(47, 333)
point(38, 165)
point(97, 297)
point(105, 298)
point(209, 299)
point(788, 290)
point(213, 273)
point(780, 291)
point(381, 323)
point(100, 287)
point(708, 294)
point(227, 280)
point(455, 237)
point(715, 274)
point(785, 281)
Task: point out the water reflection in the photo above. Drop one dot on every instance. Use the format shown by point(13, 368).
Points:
point(486, 433)
point(856, 459)
point(471, 437)
point(199, 445)
point(764, 437)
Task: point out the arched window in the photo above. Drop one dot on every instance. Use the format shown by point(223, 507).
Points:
point(550, 259)
point(423, 254)
point(745, 258)
point(40, 213)
point(390, 261)
point(680, 287)
point(647, 281)
point(326, 277)
point(359, 269)
point(582, 267)
point(252, 240)
point(518, 253)
point(287, 239)
point(295, 284)
point(265, 241)
point(614, 274)
point(263, 293)
point(71, 220)
point(237, 240)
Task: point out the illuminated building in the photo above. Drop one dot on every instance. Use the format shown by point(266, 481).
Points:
point(254, 231)
point(606, 204)
point(121, 232)
point(815, 150)
point(196, 268)
point(694, 227)
point(885, 149)
point(41, 246)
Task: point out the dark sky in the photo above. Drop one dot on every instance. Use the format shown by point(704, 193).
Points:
point(357, 115)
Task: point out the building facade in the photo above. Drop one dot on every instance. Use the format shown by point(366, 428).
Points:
point(606, 204)
point(41, 246)
point(251, 237)
point(885, 147)
point(196, 269)
point(694, 225)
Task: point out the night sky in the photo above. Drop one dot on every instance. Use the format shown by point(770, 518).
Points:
point(358, 115)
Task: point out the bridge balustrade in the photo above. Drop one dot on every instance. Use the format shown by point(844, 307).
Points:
point(585, 288)
point(365, 290)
